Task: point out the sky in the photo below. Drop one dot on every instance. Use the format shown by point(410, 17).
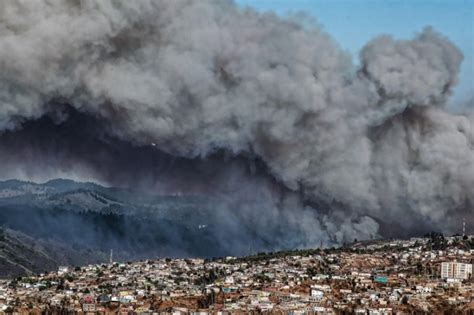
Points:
point(354, 22)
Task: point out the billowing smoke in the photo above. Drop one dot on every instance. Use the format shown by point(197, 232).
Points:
point(204, 97)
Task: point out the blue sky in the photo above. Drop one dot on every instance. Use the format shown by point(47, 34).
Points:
point(354, 22)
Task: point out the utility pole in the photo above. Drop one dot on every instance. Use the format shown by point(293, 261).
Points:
point(111, 257)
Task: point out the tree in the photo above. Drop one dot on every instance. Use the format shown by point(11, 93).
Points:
point(2, 234)
point(405, 300)
point(437, 241)
point(419, 268)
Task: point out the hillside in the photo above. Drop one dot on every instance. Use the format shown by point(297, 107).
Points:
point(21, 254)
point(62, 221)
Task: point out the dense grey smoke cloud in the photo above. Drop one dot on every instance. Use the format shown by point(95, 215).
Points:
point(250, 210)
point(352, 148)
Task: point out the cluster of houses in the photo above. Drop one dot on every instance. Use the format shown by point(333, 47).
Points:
point(385, 277)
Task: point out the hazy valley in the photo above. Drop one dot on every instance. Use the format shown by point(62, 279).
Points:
point(66, 222)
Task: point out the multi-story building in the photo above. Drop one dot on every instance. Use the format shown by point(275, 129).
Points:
point(456, 270)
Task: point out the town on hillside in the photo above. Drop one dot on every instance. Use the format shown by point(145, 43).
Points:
point(429, 275)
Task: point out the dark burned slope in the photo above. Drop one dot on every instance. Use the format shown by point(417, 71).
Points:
point(23, 255)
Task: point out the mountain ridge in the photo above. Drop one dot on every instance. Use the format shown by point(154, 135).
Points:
point(75, 217)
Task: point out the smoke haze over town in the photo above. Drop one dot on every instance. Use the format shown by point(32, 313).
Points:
point(267, 116)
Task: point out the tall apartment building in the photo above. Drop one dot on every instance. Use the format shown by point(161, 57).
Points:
point(456, 270)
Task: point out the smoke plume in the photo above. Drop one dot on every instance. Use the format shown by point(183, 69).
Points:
point(204, 97)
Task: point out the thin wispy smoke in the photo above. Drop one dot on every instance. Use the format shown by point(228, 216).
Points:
point(353, 148)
